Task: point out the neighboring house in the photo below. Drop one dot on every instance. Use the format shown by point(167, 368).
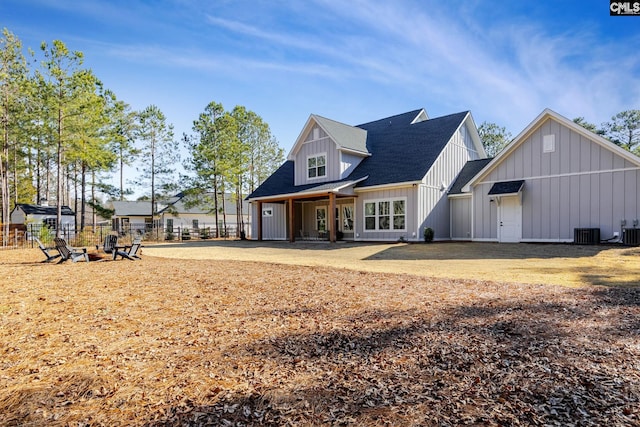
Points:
point(379, 181)
point(27, 214)
point(131, 215)
point(176, 215)
point(553, 181)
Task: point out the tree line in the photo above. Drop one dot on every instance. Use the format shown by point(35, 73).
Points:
point(623, 130)
point(64, 134)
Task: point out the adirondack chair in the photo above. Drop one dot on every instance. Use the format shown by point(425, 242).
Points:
point(129, 252)
point(110, 243)
point(67, 252)
point(47, 251)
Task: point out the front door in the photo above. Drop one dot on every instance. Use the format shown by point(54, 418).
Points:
point(510, 220)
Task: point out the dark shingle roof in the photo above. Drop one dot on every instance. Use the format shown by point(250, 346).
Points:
point(506, 187)
point(44, 210)
point(470, 169)
point(400, 152)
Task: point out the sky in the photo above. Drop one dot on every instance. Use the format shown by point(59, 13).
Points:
point(351, 61)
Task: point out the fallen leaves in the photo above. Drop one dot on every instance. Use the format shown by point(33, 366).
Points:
point(194, 342)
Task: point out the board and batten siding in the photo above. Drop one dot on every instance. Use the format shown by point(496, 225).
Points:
point(460, 217)
point(580, 184)
point(273, 227)
point(433, 204)
point(406, 193)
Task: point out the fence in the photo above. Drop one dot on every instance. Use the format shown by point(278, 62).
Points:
point(22, 236)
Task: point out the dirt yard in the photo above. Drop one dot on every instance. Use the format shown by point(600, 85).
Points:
point(412, 339)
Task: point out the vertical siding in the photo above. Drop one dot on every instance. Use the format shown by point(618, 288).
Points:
point(274, 227)
point(575, 186)
point(324, 145)
point(408, 193)
point(433, 204)
point(348, 163)
point(460, 218)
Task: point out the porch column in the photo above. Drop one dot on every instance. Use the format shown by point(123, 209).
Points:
point(332, 218)
point(259, 215)
point(292, 222)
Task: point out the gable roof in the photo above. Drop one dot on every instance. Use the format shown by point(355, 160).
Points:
point(469, 170)
point(44, 210)
point(132, 208)
point(346, 137)
point(533, 126)
point(402, 149)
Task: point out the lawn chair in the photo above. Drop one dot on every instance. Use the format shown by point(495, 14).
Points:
point(48, 251)
point(110, 243)
point(129, 252)
point(67, 252)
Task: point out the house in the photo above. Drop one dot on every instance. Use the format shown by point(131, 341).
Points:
point(173, 214)
point(131, 215)
point(27, 214)
point(554, 182)
point(179, 214)
point(380, 181)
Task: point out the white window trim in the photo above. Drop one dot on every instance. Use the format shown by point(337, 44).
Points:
point(377, 215)
point(315, 156)
point(326, 217)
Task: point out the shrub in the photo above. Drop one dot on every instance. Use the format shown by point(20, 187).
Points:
point(428, 234)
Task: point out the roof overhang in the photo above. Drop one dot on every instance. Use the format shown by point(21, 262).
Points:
point(339, 189)
point(388, 186)
point(506, 188)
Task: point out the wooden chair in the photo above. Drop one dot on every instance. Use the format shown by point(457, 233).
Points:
point(129, 252)
point(47, 251)
point(67, 252)
point(110, 243)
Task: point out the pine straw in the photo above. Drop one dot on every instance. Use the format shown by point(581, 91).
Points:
point(202, 342)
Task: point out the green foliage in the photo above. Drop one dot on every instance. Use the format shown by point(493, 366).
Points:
point(624, 130)
point(428, 234)
point(494, 138)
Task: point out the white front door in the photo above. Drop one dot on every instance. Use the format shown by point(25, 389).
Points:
point(510, 220)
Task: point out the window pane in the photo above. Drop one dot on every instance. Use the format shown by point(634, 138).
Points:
point(312, 162)
point(383, 208)
point(369, 208)
point(383, 223)
point(322, 171)
point(312, 173)
point(322, 160)
point(398, 222)
point(370, 223)
point(398, 207)
point(347, 218)
point(321, 214)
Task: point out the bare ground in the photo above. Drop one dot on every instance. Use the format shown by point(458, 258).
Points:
point(167, 341)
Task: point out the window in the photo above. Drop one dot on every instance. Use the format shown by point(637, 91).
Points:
point(317, 166)
point(347, 218)
point(50, 223)
point(385, 215)
point(267, 212)
point(169, 225)
point(321, 219)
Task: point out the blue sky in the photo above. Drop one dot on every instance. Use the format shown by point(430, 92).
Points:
point(351, 61)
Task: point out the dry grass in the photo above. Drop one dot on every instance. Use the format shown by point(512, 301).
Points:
point(164, 341)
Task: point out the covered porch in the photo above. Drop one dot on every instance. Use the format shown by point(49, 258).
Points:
point(319, 214)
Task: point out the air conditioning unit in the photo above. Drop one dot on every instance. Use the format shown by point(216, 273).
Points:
point(586, 236)
point(631, 236)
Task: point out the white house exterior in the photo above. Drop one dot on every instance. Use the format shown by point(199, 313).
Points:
point(553, 180)
point(37, 214)
point(380, 181)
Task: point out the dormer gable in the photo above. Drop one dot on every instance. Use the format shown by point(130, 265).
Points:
point(327, 150)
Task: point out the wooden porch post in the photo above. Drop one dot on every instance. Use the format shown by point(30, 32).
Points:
point(259, 215)
point(292, 235)
point(332, 218)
